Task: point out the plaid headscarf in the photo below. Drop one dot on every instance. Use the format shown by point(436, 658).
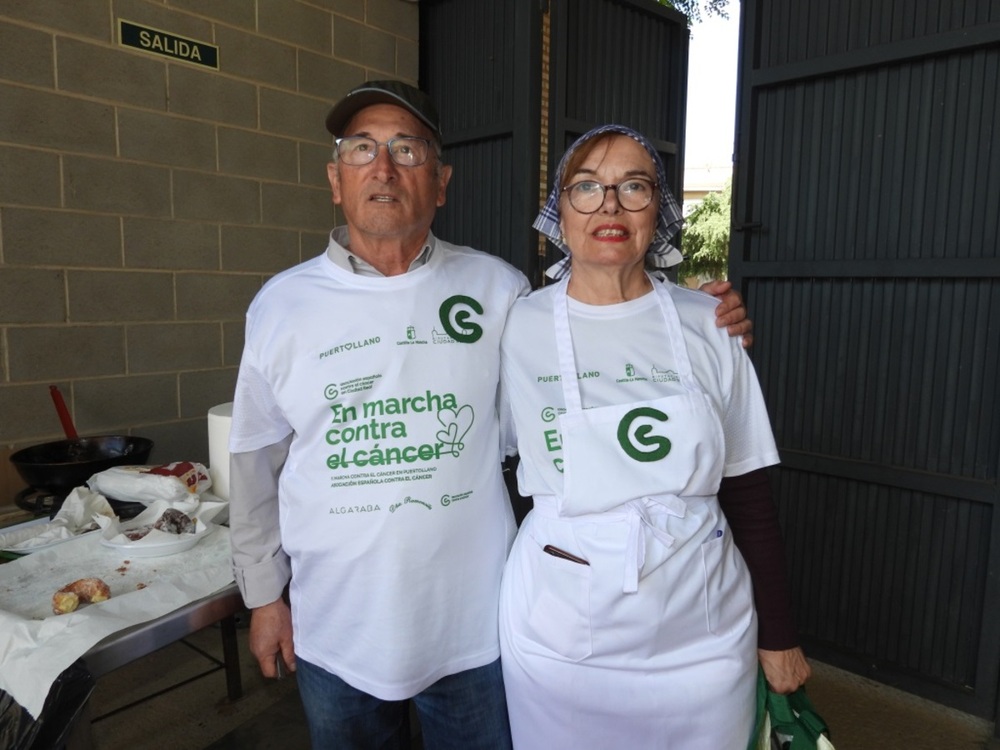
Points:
point(661, 253)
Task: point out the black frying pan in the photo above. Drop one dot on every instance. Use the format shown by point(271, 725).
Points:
point(60, 466)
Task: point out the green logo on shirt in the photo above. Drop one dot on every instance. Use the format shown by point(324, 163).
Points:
point(460, 327)
point(656, 446)
point(456, 424)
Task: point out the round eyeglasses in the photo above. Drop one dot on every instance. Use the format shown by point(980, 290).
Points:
point(634, 194)
point(407, 151)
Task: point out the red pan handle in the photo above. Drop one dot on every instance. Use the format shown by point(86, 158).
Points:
point(64, 417)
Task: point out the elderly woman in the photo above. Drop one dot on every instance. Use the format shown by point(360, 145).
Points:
point(627, 614)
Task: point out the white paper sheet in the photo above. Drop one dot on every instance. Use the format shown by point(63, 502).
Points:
point(76, 516)
point(37, 645)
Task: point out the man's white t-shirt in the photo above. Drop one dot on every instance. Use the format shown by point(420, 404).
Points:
point(393, 511)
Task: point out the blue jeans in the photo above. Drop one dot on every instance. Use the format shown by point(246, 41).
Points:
point(464, 711)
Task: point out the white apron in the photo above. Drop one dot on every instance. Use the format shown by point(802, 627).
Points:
point(651, 642)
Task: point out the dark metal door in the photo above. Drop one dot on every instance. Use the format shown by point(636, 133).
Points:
point(481, 62)
point(867, 215)
point(620, 61)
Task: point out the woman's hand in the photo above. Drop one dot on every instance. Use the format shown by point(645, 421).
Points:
point(731, 311)
point(785, 671)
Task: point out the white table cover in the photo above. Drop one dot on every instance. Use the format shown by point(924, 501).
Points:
point(37, 645)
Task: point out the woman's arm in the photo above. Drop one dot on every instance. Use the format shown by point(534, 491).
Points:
point(749, 507)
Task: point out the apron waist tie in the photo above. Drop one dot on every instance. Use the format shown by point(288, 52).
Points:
point(639, 517)
point(636, 513)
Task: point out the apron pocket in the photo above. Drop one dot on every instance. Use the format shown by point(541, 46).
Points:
point(557, 599)
point(728, 591)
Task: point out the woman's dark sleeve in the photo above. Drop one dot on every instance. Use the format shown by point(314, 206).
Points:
point(749, 507)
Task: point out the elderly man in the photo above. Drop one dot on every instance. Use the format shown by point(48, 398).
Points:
point(366, 455)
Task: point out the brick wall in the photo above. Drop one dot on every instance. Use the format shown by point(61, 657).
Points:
point(144, 200)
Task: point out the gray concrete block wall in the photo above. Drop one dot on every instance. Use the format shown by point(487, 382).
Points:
point(36, 237)
point(28, 178)
point(170, 244)
point(144, 199)
point(32, 295)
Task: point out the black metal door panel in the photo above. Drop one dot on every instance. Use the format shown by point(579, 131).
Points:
point(480, 61)
point(619, 61)
point(867, 209)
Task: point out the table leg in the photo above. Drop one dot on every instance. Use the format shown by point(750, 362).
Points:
point(231, 656)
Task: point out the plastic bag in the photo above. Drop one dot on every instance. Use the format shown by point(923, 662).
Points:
point(66, 699)
point(787, 722)
point(179, 482)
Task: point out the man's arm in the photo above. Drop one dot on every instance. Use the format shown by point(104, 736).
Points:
point(260, 565)
point(731, 312)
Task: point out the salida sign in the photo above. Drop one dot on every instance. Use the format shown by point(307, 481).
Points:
point(168, 45)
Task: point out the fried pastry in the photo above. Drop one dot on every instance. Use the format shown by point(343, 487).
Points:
point(68, 598)
point(174, 521)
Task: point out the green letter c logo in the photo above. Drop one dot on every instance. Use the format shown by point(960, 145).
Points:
point(657, 446)
point(463, 329)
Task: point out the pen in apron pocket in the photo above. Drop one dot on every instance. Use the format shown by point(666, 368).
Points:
point(556, 552)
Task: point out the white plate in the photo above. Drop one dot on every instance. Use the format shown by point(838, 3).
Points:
point(143, 548)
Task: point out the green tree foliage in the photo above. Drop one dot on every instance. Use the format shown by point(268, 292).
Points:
point(693, 8)
point(706, 238)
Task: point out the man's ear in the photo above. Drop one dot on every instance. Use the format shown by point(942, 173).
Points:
point(333, 175)
point(444, 177)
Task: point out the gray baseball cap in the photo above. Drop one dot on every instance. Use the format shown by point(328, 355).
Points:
point(384, 92)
